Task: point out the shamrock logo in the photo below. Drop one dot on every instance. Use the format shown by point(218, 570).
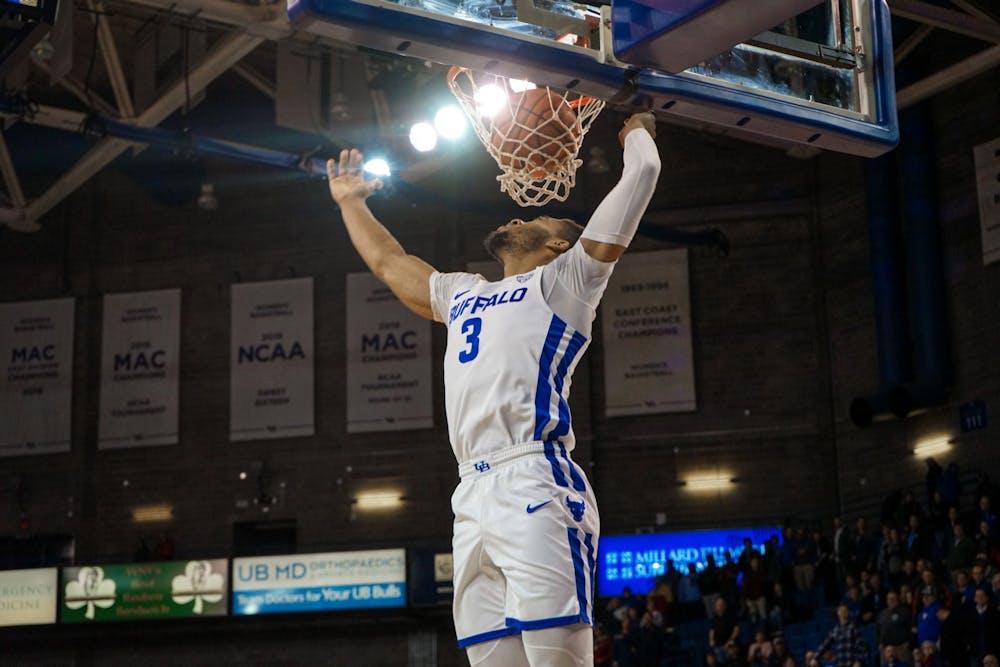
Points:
point(198, 583)
point(90, 589)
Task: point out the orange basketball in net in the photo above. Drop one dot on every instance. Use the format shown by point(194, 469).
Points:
point(536, 131)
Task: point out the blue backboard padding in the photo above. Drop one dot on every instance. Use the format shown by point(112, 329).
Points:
point(430, 36)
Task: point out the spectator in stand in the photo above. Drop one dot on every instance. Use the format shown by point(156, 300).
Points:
point(984, 628)
point(991, 661)
point(710, 584)
point(978, 574)
point(689, 596)
point(627, 644)
point(772, 560)
point(779, 653)
point(891, 557)
point(604, 648)
point(852, 600)
point(864, 547)
point(760, 651)
point(995, 590)
point(933, 479)
point(952, 643)
point(843, 548)
point(845, 640)
point(805, 562)
point(962, 550)
point(965, 592)
point(788, 548)
point(928, 655)
point(872, 599)
point(937, 521)
point(986, 544)
point(928, 625)
point(730, 576)
point(893, 627)
point(650, 642)
point(826, 568)
point(890, 657)
point(908, 508)
point(986, 513)
point(734, 655)
point(754, 590)
point(781, 607)
point(722, 630)
point(748, 554)
point(917, 540)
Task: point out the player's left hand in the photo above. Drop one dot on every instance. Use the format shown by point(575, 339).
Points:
point(645, 120)
point(347, 179)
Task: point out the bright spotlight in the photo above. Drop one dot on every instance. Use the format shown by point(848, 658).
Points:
point(520, 85)
point(490, 99)
point(423, 137)
point(378, 167)
point(449, 121)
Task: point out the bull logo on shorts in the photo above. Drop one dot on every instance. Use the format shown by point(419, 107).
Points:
point(482, 466)
point(576, 507)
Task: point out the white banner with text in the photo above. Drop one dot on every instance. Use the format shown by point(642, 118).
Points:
point(388, 360)
point(140, 362)
point(36, 393)
point(646, 324)
point(272, 386)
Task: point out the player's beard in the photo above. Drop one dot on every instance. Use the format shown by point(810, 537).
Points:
point(501, 242)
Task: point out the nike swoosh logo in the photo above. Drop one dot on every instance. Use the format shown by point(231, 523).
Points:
point(459, 295)
point(534, 508)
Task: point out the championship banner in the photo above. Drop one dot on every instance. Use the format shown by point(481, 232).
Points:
point(646, 320)
point(175, 589)
point(28, 597)
point(140, 358)
point(388, 360)
point(36, 339)
point(271, 363)
point(319, 582)
point(987, 158)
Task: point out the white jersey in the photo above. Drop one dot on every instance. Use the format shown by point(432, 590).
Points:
point(512, 349)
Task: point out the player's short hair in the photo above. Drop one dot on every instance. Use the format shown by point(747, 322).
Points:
point(568, 230)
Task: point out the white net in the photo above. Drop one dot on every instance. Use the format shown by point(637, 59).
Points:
point(533, 133)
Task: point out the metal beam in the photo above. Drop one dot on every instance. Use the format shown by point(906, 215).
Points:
point(256, 79)
point(226, 53)
point(963, 24)
point(970, 8)
point(112, 62)
point(10, 175)
point(265, 20)
point(911, 42)
point(948, 77)
point(77, 90)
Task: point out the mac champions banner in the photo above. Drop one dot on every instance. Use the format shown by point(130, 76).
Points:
point(140, 357)
point(271, 361)
point(388, 360)
point(646, 321)
point(36, 392)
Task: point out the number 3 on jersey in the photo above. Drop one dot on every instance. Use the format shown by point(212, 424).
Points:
point(471, 328)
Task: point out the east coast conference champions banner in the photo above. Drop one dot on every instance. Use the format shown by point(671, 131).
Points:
point(140, 359)
point(388, 360)
point(646, 322)
point(36, 339)
point(271, 360)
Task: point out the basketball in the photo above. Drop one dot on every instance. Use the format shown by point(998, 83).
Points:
point(536, 131)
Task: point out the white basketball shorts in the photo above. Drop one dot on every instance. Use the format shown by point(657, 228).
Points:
point(525, 543)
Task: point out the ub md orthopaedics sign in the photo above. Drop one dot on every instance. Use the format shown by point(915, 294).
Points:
point(319, 582)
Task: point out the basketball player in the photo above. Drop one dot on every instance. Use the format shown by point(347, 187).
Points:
point(526, 523)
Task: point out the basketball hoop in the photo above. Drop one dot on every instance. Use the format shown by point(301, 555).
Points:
point(536, 151)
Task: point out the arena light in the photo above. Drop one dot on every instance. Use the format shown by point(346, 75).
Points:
point(490, 99)
point(450, 122)
point(378, 167)
point(152, 513)
point(932, 447)
point(708, 483)
point(520, 85)
point(379, 500)
point(423, 137)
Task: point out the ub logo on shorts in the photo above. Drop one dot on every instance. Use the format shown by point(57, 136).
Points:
point(576, 507)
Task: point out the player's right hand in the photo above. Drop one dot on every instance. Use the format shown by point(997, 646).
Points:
point(645, 120)
point(346, 177)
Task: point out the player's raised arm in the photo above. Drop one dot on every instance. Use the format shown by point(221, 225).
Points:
point(406, 275)
point(613, 224)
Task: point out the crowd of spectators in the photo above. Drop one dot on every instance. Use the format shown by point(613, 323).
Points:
point(924, 589)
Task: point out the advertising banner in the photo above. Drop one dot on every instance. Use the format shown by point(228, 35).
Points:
point(987, 160)
point(36, 391)
point(646, 325)
point(140, 362)
point(175, 589)
point(271, 360)
point(319, 582)
point(28, 597)
point(388, 360)
point(636, 560)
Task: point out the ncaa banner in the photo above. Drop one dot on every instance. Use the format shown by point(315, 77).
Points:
point(140, 358)
point(271, 360)
point(987, 159)
point(36, 339)
point(388, 360)
point(646, 326)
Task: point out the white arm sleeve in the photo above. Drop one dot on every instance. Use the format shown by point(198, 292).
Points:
point(617, 217)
